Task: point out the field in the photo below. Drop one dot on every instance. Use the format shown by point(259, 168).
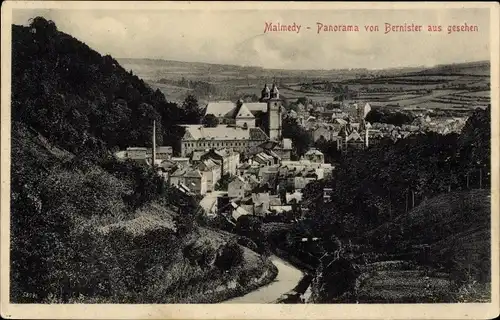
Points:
point(464, 85)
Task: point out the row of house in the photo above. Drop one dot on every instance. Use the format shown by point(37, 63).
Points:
point(201, 173)
point(263, 189)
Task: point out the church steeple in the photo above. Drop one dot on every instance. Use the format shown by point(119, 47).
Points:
point(275, 94)
point(265, 94)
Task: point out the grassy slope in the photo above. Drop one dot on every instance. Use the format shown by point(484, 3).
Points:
point(456, 226)
point(183, 280)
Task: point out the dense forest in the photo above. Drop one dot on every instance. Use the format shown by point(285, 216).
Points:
point(84, 101)
point(86, 227)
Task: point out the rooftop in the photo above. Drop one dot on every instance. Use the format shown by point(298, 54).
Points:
point(223, 132)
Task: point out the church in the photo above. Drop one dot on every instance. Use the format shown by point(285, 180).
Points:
point(265, 114)
point(242, 125)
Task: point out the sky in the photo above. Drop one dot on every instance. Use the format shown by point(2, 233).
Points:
point(237, 36)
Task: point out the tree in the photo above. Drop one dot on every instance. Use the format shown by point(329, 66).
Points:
point(302, 100)
point(192, 111)
point(210, 121)
point(300, 138)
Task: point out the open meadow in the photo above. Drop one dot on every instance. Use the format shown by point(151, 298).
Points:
point(464, 86)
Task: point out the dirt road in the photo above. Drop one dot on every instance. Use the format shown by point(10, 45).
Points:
point(288, 277)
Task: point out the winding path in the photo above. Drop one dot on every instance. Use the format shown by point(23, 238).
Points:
point(288, 277)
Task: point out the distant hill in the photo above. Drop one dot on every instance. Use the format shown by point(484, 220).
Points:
point(460, 85)
point(215, 69)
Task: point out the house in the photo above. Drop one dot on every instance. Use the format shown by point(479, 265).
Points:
point(210, 205)
point(300, 182)
point(227, 157)
point(177, 177)
point(238, 188)
point(162, 152)
point(285, 151)
point(213, 172)
point(262, 159)
point(296, 197)
point(137, 153)
point(196, 156)
point(238, 211)
point(180, 162)
point(261, 204)
point(323, 132)
point(196, 181)
point(268, 177)
point(252, 180)
point(314, 155)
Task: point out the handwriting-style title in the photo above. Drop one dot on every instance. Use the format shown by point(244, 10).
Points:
point(385, 28)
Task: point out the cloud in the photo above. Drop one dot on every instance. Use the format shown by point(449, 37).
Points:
point(236, 37)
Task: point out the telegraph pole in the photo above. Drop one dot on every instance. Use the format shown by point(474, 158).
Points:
point(154, 144)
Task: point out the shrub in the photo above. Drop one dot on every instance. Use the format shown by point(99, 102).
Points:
point(230, 257)
point(246, 242)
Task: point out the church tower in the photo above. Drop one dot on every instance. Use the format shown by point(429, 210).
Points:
point(274, 107)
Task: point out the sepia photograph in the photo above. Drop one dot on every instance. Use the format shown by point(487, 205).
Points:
point(249, 153)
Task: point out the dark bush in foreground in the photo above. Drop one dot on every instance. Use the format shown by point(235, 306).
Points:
point(231, 256)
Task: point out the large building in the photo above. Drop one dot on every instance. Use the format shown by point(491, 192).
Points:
point(265, 114)
point(198, 137)
point(242, 125)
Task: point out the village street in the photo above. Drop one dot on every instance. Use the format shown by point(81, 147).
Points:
point(288, 277)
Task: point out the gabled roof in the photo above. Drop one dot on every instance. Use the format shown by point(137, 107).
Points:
point(164, 149)
point(340, 121)
point(244, 113)
point(257, 134)
point(274, 154)
point(256, 106)
point(238, 179)
point(220, 108)
point(193, 174)
point(222, 132)
point(238, 211)
point(196, 156)
point(179, 172)
point(354, 136)
point(313, 151)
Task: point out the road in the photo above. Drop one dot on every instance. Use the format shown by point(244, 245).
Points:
point(288, 277)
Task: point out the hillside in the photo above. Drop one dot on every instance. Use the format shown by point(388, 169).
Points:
point(86, 228)
point(455, 266)
point(81, 100)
